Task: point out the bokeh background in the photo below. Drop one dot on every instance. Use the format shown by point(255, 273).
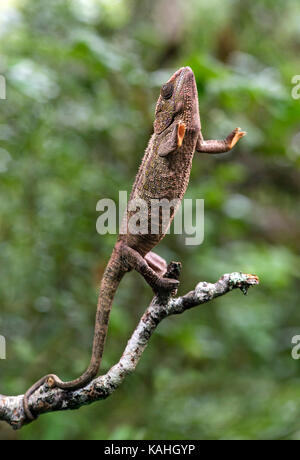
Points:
point(82, 78)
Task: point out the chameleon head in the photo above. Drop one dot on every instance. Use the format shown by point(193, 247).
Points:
point(178, 101)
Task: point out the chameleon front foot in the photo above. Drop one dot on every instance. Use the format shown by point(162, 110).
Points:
point(220, 146)
point(235, 136)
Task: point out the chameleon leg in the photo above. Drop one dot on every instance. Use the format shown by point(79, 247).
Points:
point(156, 262)
point(220, 146)
point(156, 282)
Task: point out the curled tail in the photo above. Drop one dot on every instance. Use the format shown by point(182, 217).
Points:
point(109, 284)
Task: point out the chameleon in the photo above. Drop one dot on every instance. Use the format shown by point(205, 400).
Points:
point(163, 174)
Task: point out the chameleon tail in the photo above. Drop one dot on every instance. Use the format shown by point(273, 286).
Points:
point(110, 281)
point(112, 276)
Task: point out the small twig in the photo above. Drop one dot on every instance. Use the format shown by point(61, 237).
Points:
point(47, 399)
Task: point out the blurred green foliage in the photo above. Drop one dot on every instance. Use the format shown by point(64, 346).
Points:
point(82, 78)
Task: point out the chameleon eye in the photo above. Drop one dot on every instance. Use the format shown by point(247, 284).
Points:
point(167, 90)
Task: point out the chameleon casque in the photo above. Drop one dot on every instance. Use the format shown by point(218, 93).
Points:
point(164, 173)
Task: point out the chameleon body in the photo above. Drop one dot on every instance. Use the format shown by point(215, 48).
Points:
point(164, 174)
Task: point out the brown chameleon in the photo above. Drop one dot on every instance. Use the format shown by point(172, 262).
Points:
point(163, 174)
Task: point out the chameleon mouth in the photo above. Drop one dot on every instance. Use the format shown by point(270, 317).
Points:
point(181, 73)
point(177, 73)
point(166, 116)
point(183, 76)
point(180, 81)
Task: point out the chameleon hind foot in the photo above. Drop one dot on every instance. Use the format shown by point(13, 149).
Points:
point(139, 263)
point(167, 285)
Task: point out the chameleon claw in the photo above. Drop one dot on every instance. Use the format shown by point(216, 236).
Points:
point(235, 136)
point(50, 382)
point(166, 285)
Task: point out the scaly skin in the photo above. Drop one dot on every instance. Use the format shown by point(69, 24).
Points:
point(164, 174)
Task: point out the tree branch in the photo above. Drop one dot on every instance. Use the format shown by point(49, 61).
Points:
point(47, 399)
